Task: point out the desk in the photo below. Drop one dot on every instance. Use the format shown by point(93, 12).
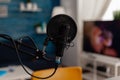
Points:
point(17, 74)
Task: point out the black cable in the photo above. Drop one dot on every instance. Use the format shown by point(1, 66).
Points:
point(11, 47)
point(16, 49)
point(6, 37)
point(20, 40)
point(23, 37)
point(36, 48)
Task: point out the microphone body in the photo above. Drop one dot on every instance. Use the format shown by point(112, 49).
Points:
point(62, 39)
point(61, 30)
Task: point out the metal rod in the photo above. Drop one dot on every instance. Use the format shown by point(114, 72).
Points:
point(9, 46)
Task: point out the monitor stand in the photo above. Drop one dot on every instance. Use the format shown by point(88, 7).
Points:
point(99, 64)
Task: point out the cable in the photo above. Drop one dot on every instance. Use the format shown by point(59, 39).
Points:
point(17, 52)
point(43, 53)
point(21, 38)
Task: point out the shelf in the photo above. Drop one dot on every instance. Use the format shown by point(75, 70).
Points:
point(26, 10)
point(114, 78)
point(42, 33)
point(91, 76)
point(98, 72)
point(101, 68)
point(29, 7)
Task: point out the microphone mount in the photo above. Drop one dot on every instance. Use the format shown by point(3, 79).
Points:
point(61, 30)
point(38, 54)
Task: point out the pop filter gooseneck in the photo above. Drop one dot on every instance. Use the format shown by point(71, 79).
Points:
point(61, 30)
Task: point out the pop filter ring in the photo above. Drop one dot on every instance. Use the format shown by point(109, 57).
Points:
point(57, 22)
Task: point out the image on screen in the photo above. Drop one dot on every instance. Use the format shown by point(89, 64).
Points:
point(102, 37)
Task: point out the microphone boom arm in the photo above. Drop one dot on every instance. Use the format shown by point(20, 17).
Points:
point(37, 53)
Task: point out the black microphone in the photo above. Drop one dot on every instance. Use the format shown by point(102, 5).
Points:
point(61, 41)
point(61, 29)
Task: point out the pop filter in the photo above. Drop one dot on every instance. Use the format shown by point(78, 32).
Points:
point(61, 29)
point(57, 22)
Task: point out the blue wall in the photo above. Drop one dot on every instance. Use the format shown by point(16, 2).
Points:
point(18, 23)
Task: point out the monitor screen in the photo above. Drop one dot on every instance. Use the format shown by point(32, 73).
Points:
point(102, 37)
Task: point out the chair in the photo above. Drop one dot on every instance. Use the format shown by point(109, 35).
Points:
point(63, 73)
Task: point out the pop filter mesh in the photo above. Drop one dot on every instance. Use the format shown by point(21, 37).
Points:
point(57, 22)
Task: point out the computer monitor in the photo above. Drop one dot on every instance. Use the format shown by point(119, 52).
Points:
point(102, 37)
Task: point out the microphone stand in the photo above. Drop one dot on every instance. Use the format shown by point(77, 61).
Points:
point(37, 55)
point(61, 41)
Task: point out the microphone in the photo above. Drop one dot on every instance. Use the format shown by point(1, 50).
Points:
point(61, 30)
point(61, 41)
